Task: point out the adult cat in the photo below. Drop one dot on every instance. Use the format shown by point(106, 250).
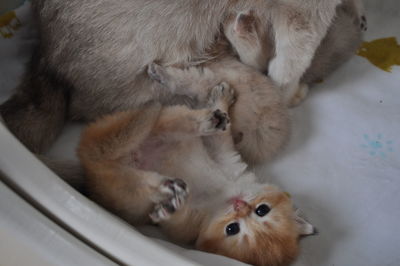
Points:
point(92, 54)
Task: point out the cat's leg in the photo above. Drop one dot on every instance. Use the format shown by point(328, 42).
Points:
point(115, 136)
point(181, 121)
point(173, 197)
point(178, 122)
point(182, 82)
point(297, 36)
point(193, 82)
point(132, 193)
point(107, 155)
point(222, 150)
point(221, 146)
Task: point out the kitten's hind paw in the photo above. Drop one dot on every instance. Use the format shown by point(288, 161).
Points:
point(177, 192)
point(162, 212)
point(172, 187)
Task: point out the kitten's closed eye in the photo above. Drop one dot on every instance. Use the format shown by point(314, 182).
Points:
point(262, 210)
point(232, 229)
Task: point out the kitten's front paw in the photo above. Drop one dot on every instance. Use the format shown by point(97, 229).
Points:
point(222, 92)
point(176, 192)
point(219, 119)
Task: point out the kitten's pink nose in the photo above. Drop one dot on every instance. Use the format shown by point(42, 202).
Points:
point(239, 204)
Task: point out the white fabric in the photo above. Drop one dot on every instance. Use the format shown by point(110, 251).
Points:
point(342, 165)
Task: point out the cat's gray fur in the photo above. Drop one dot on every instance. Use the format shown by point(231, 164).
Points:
point(92, 54)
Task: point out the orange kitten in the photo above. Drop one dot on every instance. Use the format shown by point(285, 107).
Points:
point(178, 167)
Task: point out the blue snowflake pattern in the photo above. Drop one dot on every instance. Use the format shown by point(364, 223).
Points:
point(377, 146)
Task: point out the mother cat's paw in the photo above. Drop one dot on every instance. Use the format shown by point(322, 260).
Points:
point(176, 192)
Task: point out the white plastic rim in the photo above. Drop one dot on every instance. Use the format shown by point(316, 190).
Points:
point(75, 212)
point(30, 238)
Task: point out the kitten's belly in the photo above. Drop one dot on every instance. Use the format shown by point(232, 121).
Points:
point(153, 154)
point(184, 159)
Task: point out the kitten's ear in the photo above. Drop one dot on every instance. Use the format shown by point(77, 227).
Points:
point(304, 227)
point(245, 23)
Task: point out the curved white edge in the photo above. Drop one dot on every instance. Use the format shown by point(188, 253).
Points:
point(93, 224)
point(27, 237)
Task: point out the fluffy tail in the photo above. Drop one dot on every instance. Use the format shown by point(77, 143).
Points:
point(36, 113)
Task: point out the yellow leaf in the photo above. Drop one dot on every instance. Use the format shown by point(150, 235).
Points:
point(383, 53)
point(9, 22)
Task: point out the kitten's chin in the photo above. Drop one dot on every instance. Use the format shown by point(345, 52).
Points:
point(256, 248)
point(254, 252)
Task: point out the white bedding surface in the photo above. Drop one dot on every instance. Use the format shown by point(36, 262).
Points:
point(342, 165)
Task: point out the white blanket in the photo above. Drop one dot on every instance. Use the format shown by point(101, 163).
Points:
point(342, 165)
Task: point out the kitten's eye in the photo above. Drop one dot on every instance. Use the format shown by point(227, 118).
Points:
point(262, 210)
point(232, 229)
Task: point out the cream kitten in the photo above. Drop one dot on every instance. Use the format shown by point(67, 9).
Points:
point(177, 167)
point(260, 119)
point(263, 47)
